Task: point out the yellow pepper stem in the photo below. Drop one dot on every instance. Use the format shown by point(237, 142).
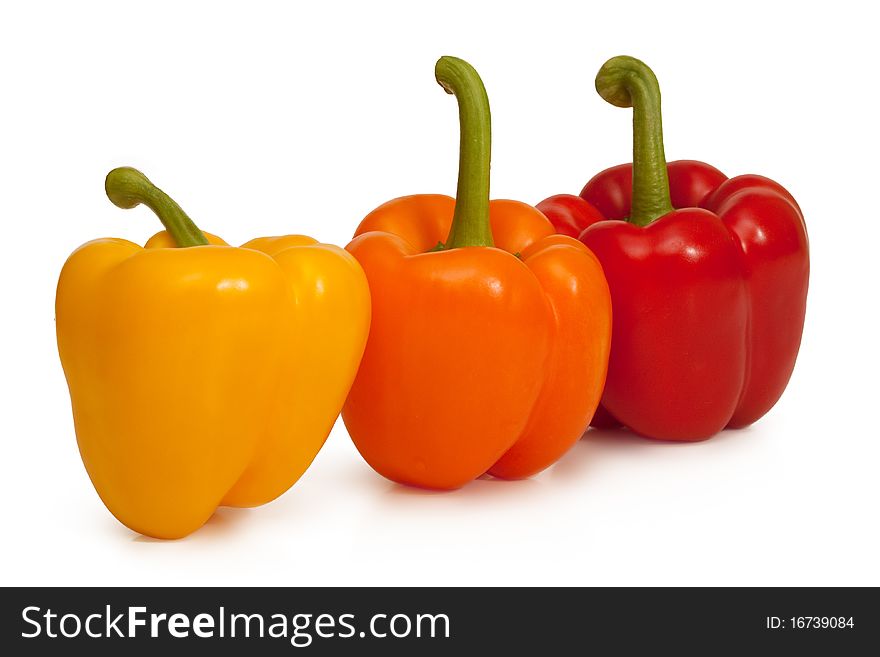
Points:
point(127, 188)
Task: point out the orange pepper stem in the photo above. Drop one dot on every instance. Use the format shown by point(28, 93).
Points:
point(470, 222)
point(127, 188)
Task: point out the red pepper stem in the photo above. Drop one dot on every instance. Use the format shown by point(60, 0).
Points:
point(470, 222)
point(127, 188)
point(628, 82)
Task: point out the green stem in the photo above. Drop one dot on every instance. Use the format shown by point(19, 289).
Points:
point(470, 222)
point(127, 188)
point(628, 82)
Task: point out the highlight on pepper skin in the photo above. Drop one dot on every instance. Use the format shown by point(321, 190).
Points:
point(490, 334)
point(201, 374)
point(708, 278)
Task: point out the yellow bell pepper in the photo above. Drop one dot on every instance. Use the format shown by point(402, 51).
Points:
point(201, 374)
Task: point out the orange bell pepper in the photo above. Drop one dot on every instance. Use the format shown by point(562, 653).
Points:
point(490, 335)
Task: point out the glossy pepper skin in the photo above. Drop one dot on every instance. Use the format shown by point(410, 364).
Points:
point(490, 335)
point(204, 375)
point(708, 278)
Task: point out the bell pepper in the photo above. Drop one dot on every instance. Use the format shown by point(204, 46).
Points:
point(708, 278)
point(201, 374)
point(490, 335)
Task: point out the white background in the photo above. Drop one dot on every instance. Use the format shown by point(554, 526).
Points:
point(268, 118)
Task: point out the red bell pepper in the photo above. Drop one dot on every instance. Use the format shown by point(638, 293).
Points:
point(708, 278)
